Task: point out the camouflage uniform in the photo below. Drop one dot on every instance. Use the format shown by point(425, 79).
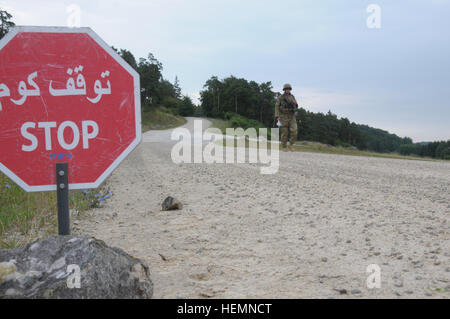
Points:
point(287, 118)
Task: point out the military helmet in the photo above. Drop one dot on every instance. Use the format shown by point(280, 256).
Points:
point(287, 86)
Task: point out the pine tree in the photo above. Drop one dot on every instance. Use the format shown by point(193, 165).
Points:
point(5, 23)
point(177, 88)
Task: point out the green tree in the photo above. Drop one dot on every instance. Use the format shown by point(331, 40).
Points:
point(409, 149)
point(150, 73)
point(443, 150)
point(165, 89)
point(186, 107)
point(177, 88)
point(210, 98)
point(238, 96)
point(5, 23)
point(129, 58)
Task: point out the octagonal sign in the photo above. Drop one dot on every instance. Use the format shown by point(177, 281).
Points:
point(65, 96)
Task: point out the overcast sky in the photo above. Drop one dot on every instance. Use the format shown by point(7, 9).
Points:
point(396, 77)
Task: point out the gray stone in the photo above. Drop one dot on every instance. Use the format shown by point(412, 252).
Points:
point(356, 291)
point(40, 270)
point(171, 203)
point(398, 283)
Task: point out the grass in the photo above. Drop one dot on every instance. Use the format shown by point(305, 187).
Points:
point(160, 118)
point(220, 124)
point(314, 147)
point(27, 216)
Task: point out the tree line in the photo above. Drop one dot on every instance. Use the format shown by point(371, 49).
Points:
point(223, 98)
point(155, 90)
point(429, 149)
point(250, 104)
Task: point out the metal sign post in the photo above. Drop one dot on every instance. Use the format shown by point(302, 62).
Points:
point(62, 190)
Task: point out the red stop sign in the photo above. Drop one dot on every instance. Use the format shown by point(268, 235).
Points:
point(65, 96)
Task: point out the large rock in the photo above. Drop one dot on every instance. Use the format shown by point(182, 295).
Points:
point(40, 270)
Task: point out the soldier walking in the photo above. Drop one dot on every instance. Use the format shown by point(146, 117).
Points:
point(286, 112)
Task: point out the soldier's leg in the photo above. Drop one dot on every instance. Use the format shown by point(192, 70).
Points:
point(293, 129)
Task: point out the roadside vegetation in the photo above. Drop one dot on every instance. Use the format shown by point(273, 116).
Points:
point(221, 124)
point(233, 120)
point(28, 216)
point(315, 147)
point(163, 106)
point(160, 118)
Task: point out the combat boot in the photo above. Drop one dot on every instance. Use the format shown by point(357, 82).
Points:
point(291, 148)
point(284, 149)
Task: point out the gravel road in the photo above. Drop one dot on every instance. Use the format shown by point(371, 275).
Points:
point(309, 231)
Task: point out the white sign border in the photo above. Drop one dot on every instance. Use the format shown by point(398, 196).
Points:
point(137, 102)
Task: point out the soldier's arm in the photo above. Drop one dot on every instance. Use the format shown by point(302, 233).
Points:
point(296, 104)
